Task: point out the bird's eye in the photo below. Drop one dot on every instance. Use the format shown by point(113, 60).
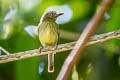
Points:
point(54, 13)
point(51, 14)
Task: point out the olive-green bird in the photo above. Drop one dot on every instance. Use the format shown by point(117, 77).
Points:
point(48, 32)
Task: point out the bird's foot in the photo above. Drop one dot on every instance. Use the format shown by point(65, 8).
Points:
point(40, 48)
point(53, 49)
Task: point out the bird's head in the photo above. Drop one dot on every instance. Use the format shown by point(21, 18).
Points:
point(51, 16)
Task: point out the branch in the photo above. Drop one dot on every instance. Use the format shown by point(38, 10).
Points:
point(6, 52)
point(76, 53)
point(61, 47)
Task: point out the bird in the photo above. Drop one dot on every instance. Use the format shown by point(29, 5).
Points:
point(48, 32)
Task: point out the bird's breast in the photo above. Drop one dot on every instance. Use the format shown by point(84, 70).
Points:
point(48, 34)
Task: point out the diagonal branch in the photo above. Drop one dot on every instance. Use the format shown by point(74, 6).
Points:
point(76, 53)
point(61, 47)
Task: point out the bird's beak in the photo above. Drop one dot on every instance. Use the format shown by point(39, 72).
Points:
point(59, 14)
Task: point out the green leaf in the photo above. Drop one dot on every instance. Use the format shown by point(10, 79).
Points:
point(75, 74)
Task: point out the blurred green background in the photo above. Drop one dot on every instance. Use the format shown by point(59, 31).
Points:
point(18, 21)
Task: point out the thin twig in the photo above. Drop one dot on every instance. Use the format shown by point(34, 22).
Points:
point(61, 47)
point(76, 53)
point(5, 51)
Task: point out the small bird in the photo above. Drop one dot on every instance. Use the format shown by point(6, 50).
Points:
point(48, 32)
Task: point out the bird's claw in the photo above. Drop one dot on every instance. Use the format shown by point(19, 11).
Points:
point(40, 49)
point(53, 49)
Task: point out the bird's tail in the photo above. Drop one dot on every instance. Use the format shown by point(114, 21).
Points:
point(51, 62)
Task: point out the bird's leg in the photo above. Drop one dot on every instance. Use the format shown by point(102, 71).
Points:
point(41, 47)
point(55, 46)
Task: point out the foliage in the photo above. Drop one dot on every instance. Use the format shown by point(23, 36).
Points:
point(100, 61)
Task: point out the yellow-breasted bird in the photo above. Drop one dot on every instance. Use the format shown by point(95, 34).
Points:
point(48, 32)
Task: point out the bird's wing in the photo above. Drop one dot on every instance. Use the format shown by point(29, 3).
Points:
point(58, 33)
point(38, 28)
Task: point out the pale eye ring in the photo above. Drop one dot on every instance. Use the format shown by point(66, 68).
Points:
point(51, 14)
point(54, 13)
